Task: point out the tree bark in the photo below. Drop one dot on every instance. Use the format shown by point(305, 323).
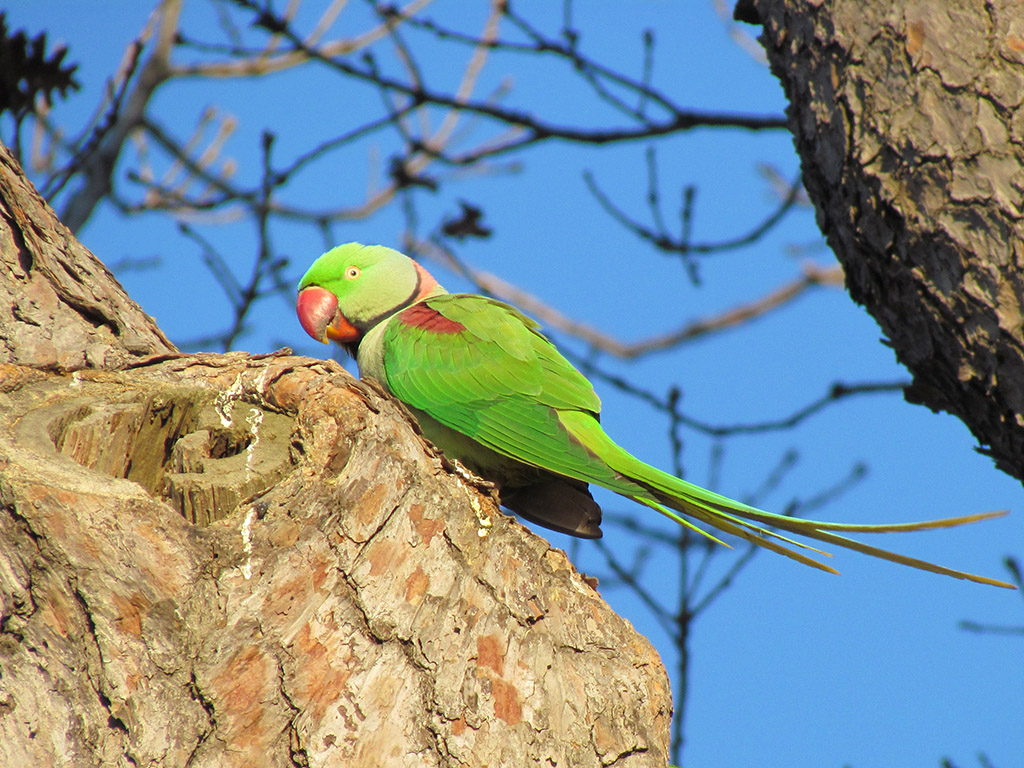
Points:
point(908, 121)
point(63, 310)
point(218, 560)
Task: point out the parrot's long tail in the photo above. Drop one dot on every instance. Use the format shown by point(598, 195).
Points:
point(672, 496)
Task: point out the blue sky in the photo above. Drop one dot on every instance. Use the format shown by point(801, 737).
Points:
point(864, 669)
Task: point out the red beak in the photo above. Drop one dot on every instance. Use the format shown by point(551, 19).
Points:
point(318, 312)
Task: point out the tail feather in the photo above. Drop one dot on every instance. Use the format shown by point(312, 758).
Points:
point(670, 495)
point(744, 530)
point(735, 514)
point(913, 562)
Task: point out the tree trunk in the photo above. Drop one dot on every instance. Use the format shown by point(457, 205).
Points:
point(256, 560)
point(908, 121)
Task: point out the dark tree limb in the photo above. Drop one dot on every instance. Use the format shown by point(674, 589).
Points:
point(908, 124)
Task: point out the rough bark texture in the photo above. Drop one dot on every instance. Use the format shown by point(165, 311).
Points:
point(60, 309)
point(219, 560)
point(908, 120)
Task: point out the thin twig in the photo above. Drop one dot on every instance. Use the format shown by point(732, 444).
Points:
point(812, 276)
point(683, 245)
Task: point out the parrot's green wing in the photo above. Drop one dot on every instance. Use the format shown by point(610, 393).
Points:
point(482, 368)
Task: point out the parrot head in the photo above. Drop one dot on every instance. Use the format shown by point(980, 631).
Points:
point(353, 287)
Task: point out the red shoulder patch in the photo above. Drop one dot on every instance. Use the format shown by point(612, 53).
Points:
point(422, 316)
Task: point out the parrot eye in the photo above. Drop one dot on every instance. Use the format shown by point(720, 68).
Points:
point(352, 273)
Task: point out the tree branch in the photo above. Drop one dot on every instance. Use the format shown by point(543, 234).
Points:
point(813, 276)
point(921, 204)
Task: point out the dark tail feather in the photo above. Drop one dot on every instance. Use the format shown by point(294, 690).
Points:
point(565, 506)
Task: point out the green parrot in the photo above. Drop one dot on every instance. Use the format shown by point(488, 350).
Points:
point(490, 391)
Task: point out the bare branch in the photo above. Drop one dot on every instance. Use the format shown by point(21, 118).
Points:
point(264, 62)
point(98, 167)
point(682, 245)
point(813, 276)
point(629, 580)
point(536, 130)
